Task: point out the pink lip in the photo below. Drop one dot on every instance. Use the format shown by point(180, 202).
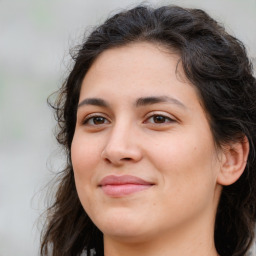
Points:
point(118, 186)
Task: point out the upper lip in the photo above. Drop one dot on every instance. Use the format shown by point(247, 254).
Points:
point(121, 180)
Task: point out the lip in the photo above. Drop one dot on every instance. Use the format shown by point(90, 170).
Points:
point(118, 186)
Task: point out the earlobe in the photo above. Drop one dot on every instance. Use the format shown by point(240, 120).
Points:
point(233, 162)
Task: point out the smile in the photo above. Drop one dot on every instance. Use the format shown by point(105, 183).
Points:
point(118, 186)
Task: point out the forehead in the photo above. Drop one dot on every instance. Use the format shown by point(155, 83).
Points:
point(135, 64)
point(138, 54)
point(138, 51)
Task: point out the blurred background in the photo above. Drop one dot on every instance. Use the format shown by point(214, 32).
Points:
point(35, 38)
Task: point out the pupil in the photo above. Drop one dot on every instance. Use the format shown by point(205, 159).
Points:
point(98, 120)
point(159, 119)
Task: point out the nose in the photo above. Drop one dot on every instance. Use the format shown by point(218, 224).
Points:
point(122, 146)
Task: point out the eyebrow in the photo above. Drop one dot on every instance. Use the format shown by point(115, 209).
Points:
point(93, 101)
point(144, 101)
point(160, 99)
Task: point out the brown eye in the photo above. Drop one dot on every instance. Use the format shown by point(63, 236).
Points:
point(98, 120)
point(159, 119)
point(95, 120)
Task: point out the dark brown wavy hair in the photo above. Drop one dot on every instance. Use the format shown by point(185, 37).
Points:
point(217, 65)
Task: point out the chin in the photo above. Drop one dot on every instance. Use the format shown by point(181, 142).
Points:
point(120, 224)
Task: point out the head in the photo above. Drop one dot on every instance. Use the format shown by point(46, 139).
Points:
point(208, 64)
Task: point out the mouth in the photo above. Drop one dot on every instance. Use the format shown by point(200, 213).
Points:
point(118, 186)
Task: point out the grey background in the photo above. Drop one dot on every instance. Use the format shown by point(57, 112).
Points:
point(35, 37)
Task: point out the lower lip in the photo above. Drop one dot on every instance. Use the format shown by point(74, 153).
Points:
point(123, 189)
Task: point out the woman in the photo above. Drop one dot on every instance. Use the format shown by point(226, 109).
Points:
point(158, 121)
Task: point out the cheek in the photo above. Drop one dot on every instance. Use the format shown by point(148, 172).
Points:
point(186, 159)
point(188, 174)
point(84, 157)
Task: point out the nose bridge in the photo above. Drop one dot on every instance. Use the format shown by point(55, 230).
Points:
point(120, 132)
point(121, 144)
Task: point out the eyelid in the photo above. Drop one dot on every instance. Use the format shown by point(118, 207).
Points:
point(92, 115)
point(159, 113)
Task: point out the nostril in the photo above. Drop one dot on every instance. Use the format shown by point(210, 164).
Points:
point(107, 160)
point(120, 161)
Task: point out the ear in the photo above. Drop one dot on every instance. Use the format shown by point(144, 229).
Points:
point(233, 161)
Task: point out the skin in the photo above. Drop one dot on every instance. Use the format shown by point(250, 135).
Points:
point(168, 143)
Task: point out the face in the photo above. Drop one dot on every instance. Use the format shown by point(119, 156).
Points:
point(143, 154)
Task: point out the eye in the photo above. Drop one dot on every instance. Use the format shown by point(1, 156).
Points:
point(95, 120)
point(159, 119)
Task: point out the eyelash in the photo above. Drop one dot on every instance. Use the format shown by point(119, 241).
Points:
point(93, 118)
point(152, 117)
point(166, 119)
